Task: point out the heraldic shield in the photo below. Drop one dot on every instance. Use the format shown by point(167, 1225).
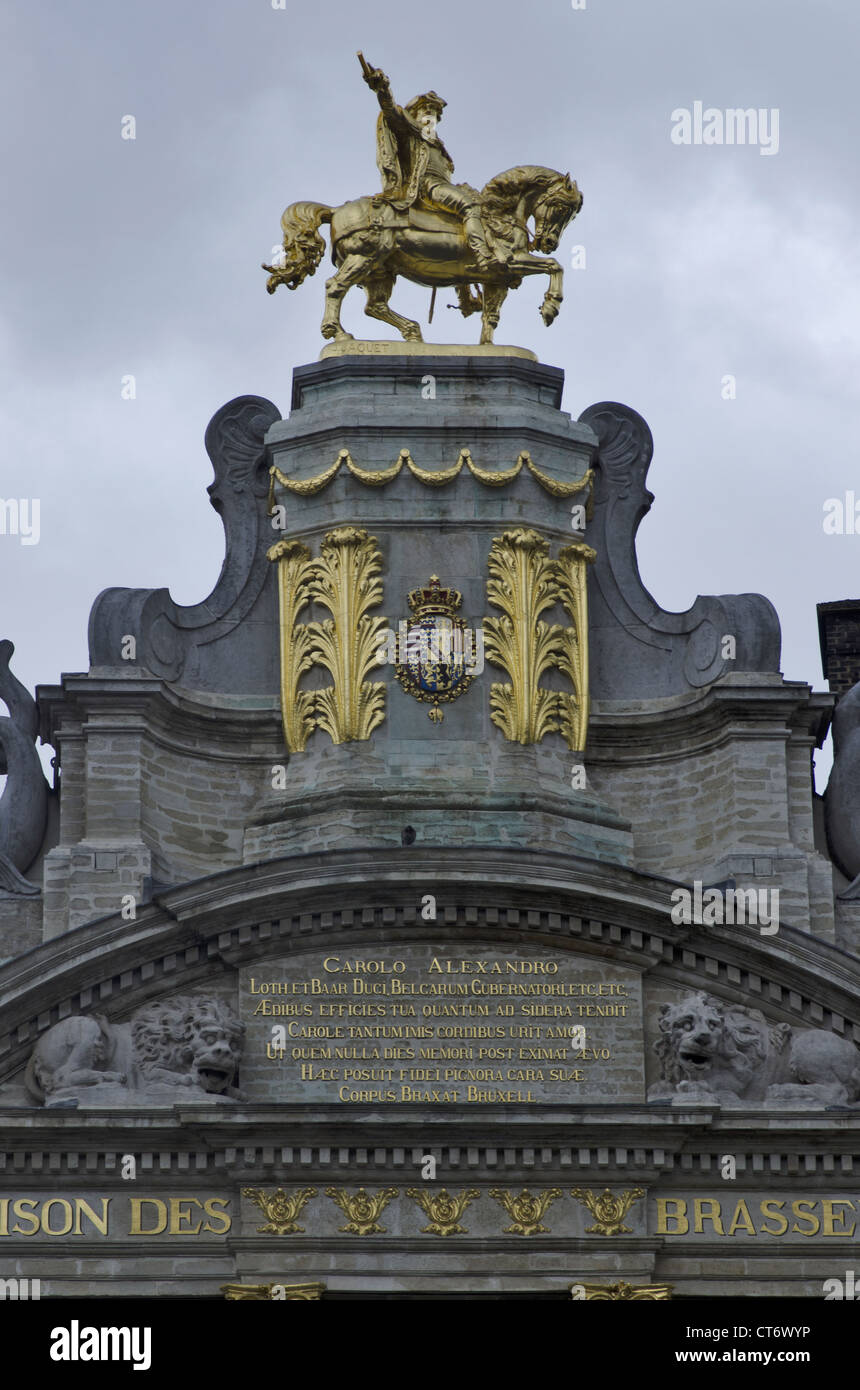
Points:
point(438, 656)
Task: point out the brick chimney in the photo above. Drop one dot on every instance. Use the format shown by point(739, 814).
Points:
point(839, 639)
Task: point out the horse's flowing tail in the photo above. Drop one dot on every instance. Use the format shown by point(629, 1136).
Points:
point(303, 247)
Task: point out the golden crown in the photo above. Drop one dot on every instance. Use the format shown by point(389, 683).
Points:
point(434, 597)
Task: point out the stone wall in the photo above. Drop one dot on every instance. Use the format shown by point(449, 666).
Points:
point(20, 924)
point(718, 786)
point(157, 789)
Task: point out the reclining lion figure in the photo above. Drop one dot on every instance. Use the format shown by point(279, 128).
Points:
point(185, 1048)
point(725, 1053)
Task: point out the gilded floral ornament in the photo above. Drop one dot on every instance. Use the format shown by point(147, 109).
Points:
point(444, 1209)
point(608, 1210)
point(345, 580)
point(526, 1210)
point(430, 477)
point(280, 1209)
point(574, 708)
point(274, 1293)
point(524, 582)
point(295, 568)
point(622, 1292)
point(361, 1209)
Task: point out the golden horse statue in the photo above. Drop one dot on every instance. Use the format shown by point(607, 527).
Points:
point(374, 241)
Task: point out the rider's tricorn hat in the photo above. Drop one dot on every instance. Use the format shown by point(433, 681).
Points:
point(431, 99)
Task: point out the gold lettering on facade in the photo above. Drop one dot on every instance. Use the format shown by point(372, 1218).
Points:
point(771, 1216)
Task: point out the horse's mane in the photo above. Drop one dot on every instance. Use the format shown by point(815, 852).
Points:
point(509, 185)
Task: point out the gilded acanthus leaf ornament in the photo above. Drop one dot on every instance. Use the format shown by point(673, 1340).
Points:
point(280, 1208)
point(622, 1292)
point(526, 1209)
point(297, 706)
point(524, 584)
point(573, 708)
point(346, 580)
point(274, 1293)
point(444, 1209)
point(361, 1209)
point(608, 1209)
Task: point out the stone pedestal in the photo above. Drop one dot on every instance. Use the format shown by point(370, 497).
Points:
point(457, 781)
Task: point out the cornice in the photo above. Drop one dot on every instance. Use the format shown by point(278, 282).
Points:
point(248, 728)
point(244, 729)
point(732, 708)
point(653, 1144)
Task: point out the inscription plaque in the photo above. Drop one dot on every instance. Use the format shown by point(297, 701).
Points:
point(426, 1024)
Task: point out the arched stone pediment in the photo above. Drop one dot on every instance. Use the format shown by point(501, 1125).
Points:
point(202, 935)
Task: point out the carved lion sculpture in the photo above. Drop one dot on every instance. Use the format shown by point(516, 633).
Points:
point(720, 1052)
point(189, 1041)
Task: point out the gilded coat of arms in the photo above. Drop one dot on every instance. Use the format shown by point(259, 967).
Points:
point(437, 657)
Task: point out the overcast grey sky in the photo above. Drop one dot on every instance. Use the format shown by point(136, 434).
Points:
point(142, 257)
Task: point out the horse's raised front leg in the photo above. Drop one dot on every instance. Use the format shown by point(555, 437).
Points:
point(378, 290)
point(494, 298)
point(526, 264)
point(554, 295)
point(352, 271)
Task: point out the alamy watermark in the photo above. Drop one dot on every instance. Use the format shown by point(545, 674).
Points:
point(76, 1343)
point(842, 1289)
point(20, 1288)
point(460, 645)
point(716, 907)
point(736, 125)
point(21, 517)
point(842, 515)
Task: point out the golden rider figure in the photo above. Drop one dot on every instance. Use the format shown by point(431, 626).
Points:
point(415, 166)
